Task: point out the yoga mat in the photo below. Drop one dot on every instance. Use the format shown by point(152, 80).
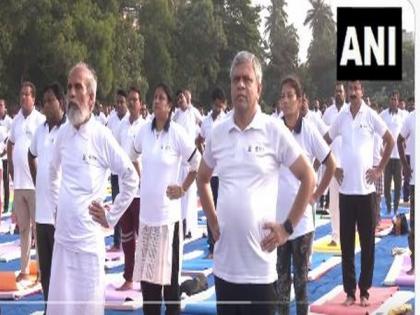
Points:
point(331, 303)
point(114, 259)
point(197, 264)
point(322, 263)
point(11, 251)
point(403, 279)
point(121, 300)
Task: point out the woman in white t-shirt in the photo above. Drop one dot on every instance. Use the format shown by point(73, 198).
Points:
point(164, 145)
point(298, 246)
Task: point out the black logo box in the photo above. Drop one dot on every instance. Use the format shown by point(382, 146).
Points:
point(371, 17)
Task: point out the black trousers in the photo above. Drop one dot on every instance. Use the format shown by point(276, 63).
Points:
point(6, 186)
point(406, 183)
point(152, 293)
point(214, 184)
point(45, 244)
point(392, 172)
point(261, 299)
point(115, 189)
point(357, 210)
point(411, 235)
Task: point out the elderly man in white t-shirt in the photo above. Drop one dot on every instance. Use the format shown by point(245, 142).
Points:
point(21, 133)
point(248, 148)
point(356, 124)
point(84, 151)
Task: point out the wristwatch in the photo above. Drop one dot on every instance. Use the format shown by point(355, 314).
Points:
point(288, 226)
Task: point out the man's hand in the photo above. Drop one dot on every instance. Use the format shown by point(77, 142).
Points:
point(277, 237)
point(373, 174)
point(98, 213)
point(174, 192)
point(339, 175)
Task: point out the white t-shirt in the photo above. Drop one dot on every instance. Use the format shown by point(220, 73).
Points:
point(408, 131)
point(394, 123)
point(357, 148)
point(101, 118)
point(21, 134)
point(114, 123)
point(189, 119)
point(208, 124)
point(330, 115)
point(5, 125)
point(162, 153)
point(84, 156)
point(317, 121)
point(248, 162)
point(42, 147)
point(377, 148)
point(126, 136)
point(314, 147)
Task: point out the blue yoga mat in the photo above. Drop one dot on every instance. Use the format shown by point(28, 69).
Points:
point(197, 264)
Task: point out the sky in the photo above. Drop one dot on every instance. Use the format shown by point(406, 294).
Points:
point(297, 9)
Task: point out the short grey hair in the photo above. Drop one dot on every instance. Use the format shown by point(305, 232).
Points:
point(92, 80)
point(246, 56)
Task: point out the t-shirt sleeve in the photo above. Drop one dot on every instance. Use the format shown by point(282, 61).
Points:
point(185, 145)
point(405, 129)
point(287, 149)
point(34, 143)
point(208, 154)
point(334, 130)
point(379, 125)
point(320, 148)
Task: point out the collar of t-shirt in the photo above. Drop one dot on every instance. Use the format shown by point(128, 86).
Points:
point(84, 130)
point(362, 108)
point(298, 126)
point(256, 123)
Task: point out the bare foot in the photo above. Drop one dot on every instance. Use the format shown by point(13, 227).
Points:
point(114, 249)
point(364, 302)
point(127, 285)
point(22, 276)
point(411, 271)
point(349, 301)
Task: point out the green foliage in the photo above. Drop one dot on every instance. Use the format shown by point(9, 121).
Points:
point(283, 50)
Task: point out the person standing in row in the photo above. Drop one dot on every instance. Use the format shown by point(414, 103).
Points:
point(21, 133)
point(39, 158)
point(216, 115)
point(357, 124)
point(164, 147)
point(299, 244)
point(129, 222)
point(77, 283)
point(115, 118)
point(247, 149)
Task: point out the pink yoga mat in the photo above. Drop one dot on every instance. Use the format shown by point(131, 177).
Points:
point(333, 306)
point(114, 255)
point(403, 278)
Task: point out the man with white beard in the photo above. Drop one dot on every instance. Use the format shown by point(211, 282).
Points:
point(84, 151)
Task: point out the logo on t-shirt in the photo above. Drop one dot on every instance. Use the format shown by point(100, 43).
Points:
point(369, 43)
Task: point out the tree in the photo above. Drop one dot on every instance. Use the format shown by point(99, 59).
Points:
point(322, 50)
point(157, 25)
point(240, 24)
point(199, 40)
point(283, 50)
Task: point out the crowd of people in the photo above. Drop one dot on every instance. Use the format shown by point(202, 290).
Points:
point(258, 177)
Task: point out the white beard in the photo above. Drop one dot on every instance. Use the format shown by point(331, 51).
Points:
point(76, 116)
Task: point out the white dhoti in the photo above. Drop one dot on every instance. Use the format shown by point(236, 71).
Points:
point(189, 203)
point(334, 210)
point(77, 282)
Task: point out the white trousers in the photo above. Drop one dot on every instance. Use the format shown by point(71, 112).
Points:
point(334, 210)
point(77, 283)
